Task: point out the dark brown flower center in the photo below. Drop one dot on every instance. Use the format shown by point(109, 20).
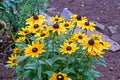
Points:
point(26, 31)
point(36, 26)
point(60, 77)
point(91, 42)
point(78, 17)
point(70, 42)
point(56, 26)
point(42, 34)
point(101, 43)
point(34, 50)
point(66, 25)
point(68, 48)
point(14, 60)
point(56, 19)
point(87, 23)
point(80, 37)
point(35, 17)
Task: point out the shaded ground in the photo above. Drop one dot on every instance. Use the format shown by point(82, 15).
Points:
point(106, 12)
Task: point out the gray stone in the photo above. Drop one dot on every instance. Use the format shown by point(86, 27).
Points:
point(66, 14)
point(116, 37)
point(47, 18)
point(100, 26)
point(114, 45)
point(113, 29)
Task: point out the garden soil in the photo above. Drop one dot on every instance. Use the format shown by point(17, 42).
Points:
point(106, 12)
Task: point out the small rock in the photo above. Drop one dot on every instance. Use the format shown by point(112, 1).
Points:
point(111, 69)
point(100, 26)
point(116, 37)
point(47, 18)
point(113, 29)
point(66, 14)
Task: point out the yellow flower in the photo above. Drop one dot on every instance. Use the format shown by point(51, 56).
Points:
point(45, 27)
point(105, 45)
point(59, 76)
point(80, 37)
point(93, 53)
point(96, 37)
point(86, 25)
point(57, 28)
point(42, 35)
point(70, 40)
point(92, 45)
point(56, 19)
point(12, 60)
point(68, 48)
point(20, 39)
point(35, 27)
point(24, 31)
point(77, 18)
point(16, 50)
point(67, 24)
point(34, 50)
point(35, 19)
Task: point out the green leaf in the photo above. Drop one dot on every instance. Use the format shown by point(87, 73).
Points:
point(20, 44)
point(95, 73)
point(49, 61)
point(21, 58)
point(31, 66)
point(49, 73)
point(66, 70)
point(39, 73)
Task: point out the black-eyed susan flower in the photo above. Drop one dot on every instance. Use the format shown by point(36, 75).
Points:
point(105, 45)
point(45, 27)
point(20, 39)
point(86, 25)
point(92, 45)
point(93, 53)
point(16, 50)
point(67, 24)
point(56, 19)
point(24, 31)
point(96, 37)
point(12, 60)
point(77, 18)
point(35, 19)
point(35, 27)
point(34, 49)
point(59, 76)
point(70, 40)
point(68, 48)
point(80, 37)
point(57, 28)
point(42, 35)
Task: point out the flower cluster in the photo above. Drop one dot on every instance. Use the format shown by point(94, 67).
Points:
point(57, 52)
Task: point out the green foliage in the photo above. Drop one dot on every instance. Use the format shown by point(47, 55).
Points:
point(15, 12)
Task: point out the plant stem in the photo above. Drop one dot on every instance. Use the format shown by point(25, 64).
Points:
point(53, 36)
point(82, 57)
